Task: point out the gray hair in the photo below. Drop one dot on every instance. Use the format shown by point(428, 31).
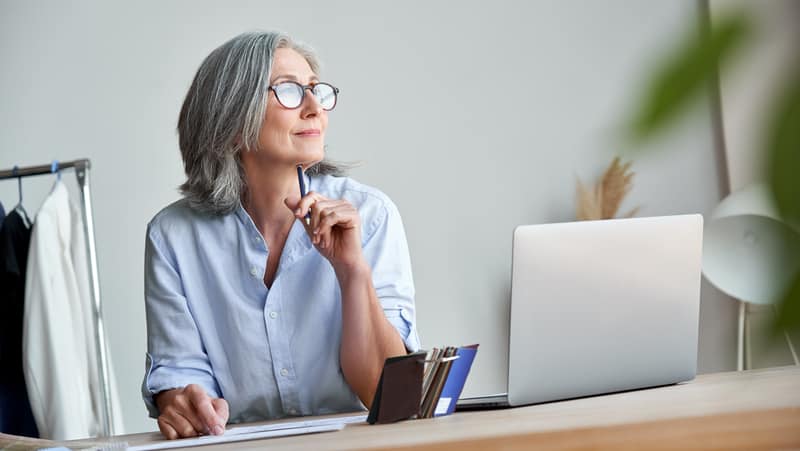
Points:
point(222, 115)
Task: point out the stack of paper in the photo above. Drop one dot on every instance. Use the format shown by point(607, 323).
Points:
point(241, 433)
point(444, 377)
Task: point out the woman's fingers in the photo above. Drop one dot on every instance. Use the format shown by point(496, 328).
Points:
point(182, 406)
point(189, 412)
point(325, 214)
point(204, 409)
point(311, 205)
point(314, 212)
point(221, 407)
point(340, 214)
point(305, 205)
point(175, 425)
point(166, 428)
point(318, 212)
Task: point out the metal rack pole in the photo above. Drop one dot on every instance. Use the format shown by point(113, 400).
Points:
point(82, 174)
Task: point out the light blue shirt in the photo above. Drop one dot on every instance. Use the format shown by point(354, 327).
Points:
point(270, 352)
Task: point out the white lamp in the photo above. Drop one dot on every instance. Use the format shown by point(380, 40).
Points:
point(750, 254)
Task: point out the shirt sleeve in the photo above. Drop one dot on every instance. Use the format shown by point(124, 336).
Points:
point(176, 356)
point(386, 251)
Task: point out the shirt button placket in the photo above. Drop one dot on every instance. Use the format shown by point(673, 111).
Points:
point(281, 356)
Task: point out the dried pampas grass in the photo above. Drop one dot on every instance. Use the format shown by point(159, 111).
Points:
point(604, 200)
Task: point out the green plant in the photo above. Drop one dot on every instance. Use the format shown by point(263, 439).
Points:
point(685, 76)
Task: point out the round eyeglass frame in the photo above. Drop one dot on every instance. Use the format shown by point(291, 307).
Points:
point(303, 89)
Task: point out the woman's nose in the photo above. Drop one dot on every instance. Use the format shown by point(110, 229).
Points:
point(311, 106)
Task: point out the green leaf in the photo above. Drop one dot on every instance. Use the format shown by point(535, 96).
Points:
point(788, 317)
point(783, 166)
point(687, 73)
point(783, 150)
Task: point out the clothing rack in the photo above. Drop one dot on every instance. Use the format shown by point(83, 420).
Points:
point(82, 167)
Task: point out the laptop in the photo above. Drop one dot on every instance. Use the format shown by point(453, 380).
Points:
point(600, 307)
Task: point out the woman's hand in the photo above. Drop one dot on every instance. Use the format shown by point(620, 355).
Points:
point(335, 229)
point(189, 412)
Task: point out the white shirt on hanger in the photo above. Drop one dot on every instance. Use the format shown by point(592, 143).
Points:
point(60, 359)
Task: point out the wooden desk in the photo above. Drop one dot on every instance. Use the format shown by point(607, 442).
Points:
point(758, 409)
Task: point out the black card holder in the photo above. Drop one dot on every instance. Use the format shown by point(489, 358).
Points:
point(399, 389)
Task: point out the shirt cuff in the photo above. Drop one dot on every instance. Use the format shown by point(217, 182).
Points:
point(159, 377)
point(402, 321)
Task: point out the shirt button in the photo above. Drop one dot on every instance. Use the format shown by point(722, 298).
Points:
point(254, 271)
point(273, 315)
point(257, 239)
point(292, 411)
point(284, 372)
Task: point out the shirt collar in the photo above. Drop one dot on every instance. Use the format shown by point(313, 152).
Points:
point(297, 245)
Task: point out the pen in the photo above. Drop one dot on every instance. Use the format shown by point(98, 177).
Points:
point(303, 190)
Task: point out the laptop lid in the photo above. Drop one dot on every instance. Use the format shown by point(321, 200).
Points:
point(603, 306)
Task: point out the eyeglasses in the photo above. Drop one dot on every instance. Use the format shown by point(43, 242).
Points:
point(290, 94)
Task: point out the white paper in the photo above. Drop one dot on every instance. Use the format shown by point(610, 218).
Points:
point(242, 433)
point(442, 406)
point(300, 423)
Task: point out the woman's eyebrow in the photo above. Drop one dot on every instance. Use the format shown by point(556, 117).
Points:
point(291, 77)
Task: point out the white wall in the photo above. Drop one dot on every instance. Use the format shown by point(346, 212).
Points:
point(473, 116)
point(748, 86)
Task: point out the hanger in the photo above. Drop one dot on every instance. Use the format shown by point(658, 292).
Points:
point(55, 170)
point(19, 208)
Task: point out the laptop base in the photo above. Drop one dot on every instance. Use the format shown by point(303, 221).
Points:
point(499, 401)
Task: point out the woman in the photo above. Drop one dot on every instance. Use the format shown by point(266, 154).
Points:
point(252, 312)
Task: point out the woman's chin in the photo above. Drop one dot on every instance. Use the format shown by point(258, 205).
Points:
point(308, 164)
point(308, 159)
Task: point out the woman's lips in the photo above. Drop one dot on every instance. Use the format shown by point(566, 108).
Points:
point(308, 132)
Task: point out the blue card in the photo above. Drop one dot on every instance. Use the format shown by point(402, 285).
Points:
point(456, 379)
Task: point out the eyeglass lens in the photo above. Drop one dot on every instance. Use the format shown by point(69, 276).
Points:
point(290, 94)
